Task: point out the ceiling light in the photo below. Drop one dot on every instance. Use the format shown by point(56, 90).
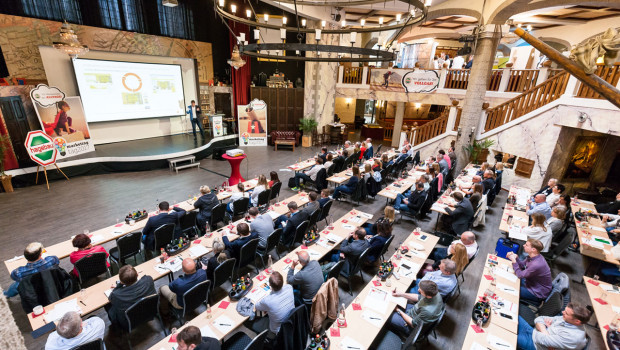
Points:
point(519, 25)
point(362, 22)
point(323, 23)
point(248, 13)
point(398, 17)
point(233, 8)
point(284, 20)
point(221, 3)
point(412, 12)
point(236, 61)
point(69, 43)
point(529, 27)
point(266, 17)
point(343, 23)
point(380, 20)
point(428, 3)
point(303, 22)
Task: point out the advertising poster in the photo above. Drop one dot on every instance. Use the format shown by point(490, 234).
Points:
point(387, 79)
point(218, 127)
point(62, 118)
point(404, 80)
point(252, 123)
point(421, 81)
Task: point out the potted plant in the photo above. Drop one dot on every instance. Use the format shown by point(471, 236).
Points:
point(307, 125)
point(6, 179)
point(479, 151)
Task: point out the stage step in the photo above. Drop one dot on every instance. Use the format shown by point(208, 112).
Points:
point(173, 163)
point(185, 166)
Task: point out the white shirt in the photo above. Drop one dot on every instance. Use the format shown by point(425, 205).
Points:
point(92, 328)
point(471, 249)
point(553, 198)
point(538, 233)
point(327, 164)
point(193, 112)
point(457, 62)
point(257, 190)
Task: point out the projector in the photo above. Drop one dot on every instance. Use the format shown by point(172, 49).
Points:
point(170, 3)
point(235, 152)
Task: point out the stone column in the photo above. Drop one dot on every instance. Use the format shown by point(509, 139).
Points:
point(476, 92)
point(398, 123)
point(10, 336)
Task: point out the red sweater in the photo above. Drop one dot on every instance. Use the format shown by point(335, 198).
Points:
point(79, 254)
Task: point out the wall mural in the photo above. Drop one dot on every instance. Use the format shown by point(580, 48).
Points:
point(584, 157)
point(21, 36)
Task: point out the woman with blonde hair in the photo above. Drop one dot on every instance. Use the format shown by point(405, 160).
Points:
point(377, 166)
point(205, 204)
point(539, 230)
point(389, 215)
point(219, 256)
point(367, 171)
point(459, 256)
point(261, 186)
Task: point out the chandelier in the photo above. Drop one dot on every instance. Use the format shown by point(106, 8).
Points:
point(69, 43)
point(236, 61)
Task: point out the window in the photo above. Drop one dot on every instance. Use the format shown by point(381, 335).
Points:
point(122, 14)
point(110, 14)
point(59, 10)
point(177, 22)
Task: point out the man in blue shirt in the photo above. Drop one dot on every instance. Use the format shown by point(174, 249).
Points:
point(36, 263)
point(444, 278)
point(173, 293)
point(195, 116)
point(234, 247)
point(278, 304)
point(539, 206)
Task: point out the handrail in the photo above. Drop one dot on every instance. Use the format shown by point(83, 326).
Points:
point(522, 80)
point(526, 102)
point(457, 121)
point(431, 129)
point(352, 75)
point(609, 74)
point(457, 79)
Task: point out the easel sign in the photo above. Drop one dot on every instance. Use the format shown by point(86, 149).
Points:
point(41, 149)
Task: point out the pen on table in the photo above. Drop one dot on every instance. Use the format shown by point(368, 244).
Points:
point(509, 289)
point(500, 344)
point(352, 347)
point(82, 303)
point(374, 318)
point(224, 324)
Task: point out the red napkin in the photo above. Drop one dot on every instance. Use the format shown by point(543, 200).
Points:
point(261, 277)
point(416, 233)
point(334, 332)
point(477, 329)
point(493, 257)
point(393, 264)
point(356, 306)
point(352, 212)
point(197, 241)
point(304, 247)
point(287, 261)
point(601, 301)
point(490, 278)
point(593, 282)
point(173, 338)
point(176, 205)
point(376, 283)
point(35, 316)
point(345, 221)
point(118, 225)
point(606, 327)
point(224, 304)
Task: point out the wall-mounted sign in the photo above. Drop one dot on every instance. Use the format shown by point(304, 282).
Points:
point(421, 81)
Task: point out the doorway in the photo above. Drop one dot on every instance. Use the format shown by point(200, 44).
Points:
point(17, 126)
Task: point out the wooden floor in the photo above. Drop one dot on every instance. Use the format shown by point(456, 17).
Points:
point(91, 202)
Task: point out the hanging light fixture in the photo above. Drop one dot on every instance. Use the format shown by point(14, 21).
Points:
point(398, 15)
point(248, 13)
point(236, 61)
point(69, 43)
point(221, 2)
point(303, 22)
point(266, 17)
point(284, 21)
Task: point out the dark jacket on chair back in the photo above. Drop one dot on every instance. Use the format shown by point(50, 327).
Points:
point(205, 204)
point(122, 297)
point(156, 221)
point(44, 288)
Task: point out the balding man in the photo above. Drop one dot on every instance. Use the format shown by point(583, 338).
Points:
point(306, 281)
point(468, 239)
point(489, 180)
point(539, 205)
point(173, 292)
point(72, 332)
point(469, 189)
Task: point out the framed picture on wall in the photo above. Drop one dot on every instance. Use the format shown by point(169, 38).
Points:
point(583, 157)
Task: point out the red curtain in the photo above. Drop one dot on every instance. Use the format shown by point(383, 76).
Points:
point(241, 77)
point(10, 162)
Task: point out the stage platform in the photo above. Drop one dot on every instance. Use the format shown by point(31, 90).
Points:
point(136, 155)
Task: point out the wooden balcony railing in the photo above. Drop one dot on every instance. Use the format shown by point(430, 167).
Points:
point(388, 131)
point(431, 129)
point(528, 101)
point(353, 75)
point(457, 79)
point(495, 79)
point(522, 80)
point(609, 74)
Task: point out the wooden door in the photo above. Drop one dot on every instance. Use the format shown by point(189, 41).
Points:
point(17, 126)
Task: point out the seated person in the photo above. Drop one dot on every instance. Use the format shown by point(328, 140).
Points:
point(219, 256)
point(236, 196)
point(341, 158)
point(172, 294)
point(71, 332)
point(401, 157)
point(468, 190)
point(611, 222)
point(444, 278)
point(609, 207)
point(539, 206)
point(362, 150)
point(483, 167)
point(564, 202)
point(309, 175)
point(376, 165)
point(385, 161)
point(329, 160)
point(306, 281)
point(290, 221)
point(127, 292)
point(312, 204)
point(553, 199)
point(556, 221)
point(546, 190)
point(324, 197)
point(234, 247)
point(414, 202)
point(260, 226)
point(85, 248)
point(323, 154)
point(190, 338)
point(443, 164)
point(164, 216)
point(35, 263)
point(349, 187)
point(476, 196)
point(489, 180)
point(533, 271)
point(468, 239)
point(205, 203)
point(273, 178)
point(560, 332)
point(349, 148)
point(427, 309)
point(376, 242)
point(389, 214)
point(278, 304)
point(261, 186)
point(350, 250)
point(459, 218)
point(539, 231)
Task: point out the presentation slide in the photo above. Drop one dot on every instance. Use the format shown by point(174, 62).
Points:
point(113, 90)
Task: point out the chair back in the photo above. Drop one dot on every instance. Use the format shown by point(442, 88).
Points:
point(325, 210)
point(163, 235)
point(96, 344)
point(321, 180)
point(217, 215)
point(314, 218)
point(386, 245)
point(335, 270)
point(330, 170)
point(561, 247)
point(361, 192)
point(300, 231)
point(129, 245)
point(273, 239)
point(223, 272)
point(427, 328)
point(413, 336)
point(552, 306)
point(92, 265)
point(378, 151)
point(383, 173)
point(361, 261)
point(248, 252)
point(240, 206)
point(263, 198)
point(275, 190)
point(142, 311)
point(258, 343)
point(195, 296)
point(188, 222)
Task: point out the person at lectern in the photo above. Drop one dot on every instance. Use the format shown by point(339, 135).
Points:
point(254, 126)
point(195, 116)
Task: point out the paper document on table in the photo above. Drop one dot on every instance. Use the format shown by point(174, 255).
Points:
point(273, 214)
point(377, 299)
point(366, 215)
point(610, 289)
point(615, 309)
point(348, 227)
point(506, 275)
point(224, 324)
point(349, 344)
point(438, 207)
point(198, 250)
point(323, 242)
point(258, 293)
point(160, 269)
point(61, 309)
point(476, 346)
point(207, 331)
point(516, 232)
point(357, 219)
point(173, 265)
point(96, 239)
point(519, 218)
point(337, 178)
point(15, 258)
point(597, 228)
point(408, 269)
point(313, 254)
point(507, 289)
point(498, 342)
point(417, 254)
point(373, 318)
point(593, 243)
point(400, 301)
point(117, 232)
point(108, 292)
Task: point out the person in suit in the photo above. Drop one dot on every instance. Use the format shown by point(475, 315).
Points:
point(401, 157)
point(261, 226)
point(312, 204)
point(351, 248)
point(234, 247)
point(463, 212)
point(443, 165)
point(452, 156)
point(165, 216)
point(290, 221)
point(414, 202)
point(489, 182)
point(195, 116)
point(348, 187)
point(323, 154)
point(324, 197)
point(205, 204)
point(172, 294)
point(309, 175)
point(547, 190)
point(306, 281)
point(127, 292)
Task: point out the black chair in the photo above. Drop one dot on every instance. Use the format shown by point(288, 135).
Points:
point(143, 311)
point(300, 231)
point(163, 235)
point(550, 307)
point(462, 274)
point(240, 207)
point(378, 151)
point(126, 247)
point(385, 247)
point(555, 252)
point(222, 273)
point(331, 169)
point(247, 255)
point(325, 211)
point(335, 270)
point(263, 200)
point(91, 266)
point(272, 243)
point(428, 328)
point(241, 341)
point(392, 341)
point(192, 299)
point(96, 344)
point(218, 214)
point(361, 261)
point(314, 218)
point(359, 193)
point(188, 224)
point(275, 191)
